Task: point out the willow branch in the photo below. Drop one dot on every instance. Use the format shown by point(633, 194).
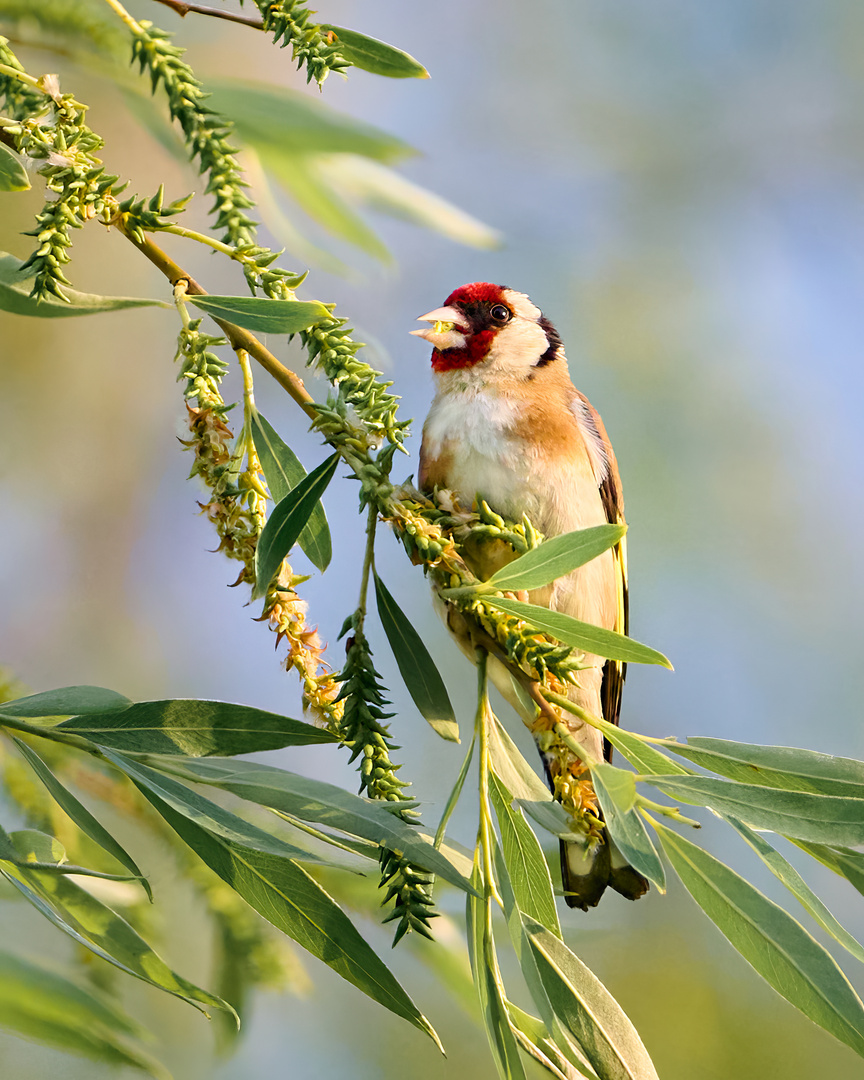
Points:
point(183, 10)
point(237, 336)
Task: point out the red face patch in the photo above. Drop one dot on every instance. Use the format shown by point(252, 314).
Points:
point(475, 301)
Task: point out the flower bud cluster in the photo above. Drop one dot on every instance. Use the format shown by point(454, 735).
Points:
point(20, 100)
point(363, 731)
point(314, 48)
point(205, 131)
point(66, 149)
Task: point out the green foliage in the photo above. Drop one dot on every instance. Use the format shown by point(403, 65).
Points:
point(205, 132)
point(416, 666)
point(150, 758)
point(314, 48)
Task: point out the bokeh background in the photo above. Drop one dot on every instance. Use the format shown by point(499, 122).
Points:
point(679, 187)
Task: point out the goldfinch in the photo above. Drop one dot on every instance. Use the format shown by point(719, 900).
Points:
point(508, 426)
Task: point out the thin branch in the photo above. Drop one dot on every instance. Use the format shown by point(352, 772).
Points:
point(237, 336)
point(183, 10)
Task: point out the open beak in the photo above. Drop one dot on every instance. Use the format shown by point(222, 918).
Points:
point(446, 332)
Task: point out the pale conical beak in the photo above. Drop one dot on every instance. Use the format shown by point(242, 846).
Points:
point(445, 332)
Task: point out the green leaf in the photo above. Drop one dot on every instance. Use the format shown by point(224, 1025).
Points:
point(40, 1004)
point(588, 1011)
point(287, 521)
point(13, 175)
point(785, 872)
point(776, 766)
point(263, 315)
point(380, 188)
point(105, 933)
point(524, 784)
point(303, 178)
point(326, 804)
point(416, 666)
point(580, 635)
point(556, 557)
point(284, 471)
point(537, 1041)
point(528, 872)
point(15, 296)
point(644, 757)
point(827, 819)
point(370, 54)
point(616, 790)
point(517, 925)
point(82, 816)
point(777, 946)
point(253, 863)
point(68, 701)
point(195, 728)
point(278, 120)
point(843, 861)
point(456, 792)
point(487, 980)
point(36, 850)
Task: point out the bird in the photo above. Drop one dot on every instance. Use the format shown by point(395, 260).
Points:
point(508, 427)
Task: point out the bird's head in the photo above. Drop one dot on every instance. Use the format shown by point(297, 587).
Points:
point(492, 326)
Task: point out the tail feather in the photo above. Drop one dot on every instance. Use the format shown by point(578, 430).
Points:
point(586, 871)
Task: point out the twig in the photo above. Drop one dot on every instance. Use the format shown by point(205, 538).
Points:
point(183, 9)
point(237, 336)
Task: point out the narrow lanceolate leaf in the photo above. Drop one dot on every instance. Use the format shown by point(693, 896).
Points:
point(416, 666)
point(13, 175)
point(524, 784)
point(82, 816)
point(370, 54)
point(784, 871)
point(263, 315)
point(565, 1052)
point(643, 756)
point(42, 1005)
point(580, 635)
point(15, 296)
point(101, 930)
point(288, 121)
point(326, 804)
point(777, 946)
point(389, 192)
point(776, 766)
point(287, 521)
point(487, 980)
point(556, 557)
point(826, 819)
point(535, 1039)
point(67, 701)
point(588, 1011)
point(195, 728)
point(252, 863)
point(842, 860)
point(283, 471)
point(616, 790)
point(523, 856)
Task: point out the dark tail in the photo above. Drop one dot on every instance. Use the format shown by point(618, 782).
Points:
point(586, 870)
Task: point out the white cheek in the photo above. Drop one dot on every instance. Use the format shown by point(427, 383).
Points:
point(517, 347)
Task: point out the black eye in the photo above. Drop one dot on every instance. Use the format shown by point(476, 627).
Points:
point(500, 313)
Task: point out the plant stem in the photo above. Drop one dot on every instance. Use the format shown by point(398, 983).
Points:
point(368, 563)
point(183, 9)
point(21, 76)
point(203, 238)
point(484, 832)
point(238, 337)
point(594, 721)
point(117, 7)
point(667, 811)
